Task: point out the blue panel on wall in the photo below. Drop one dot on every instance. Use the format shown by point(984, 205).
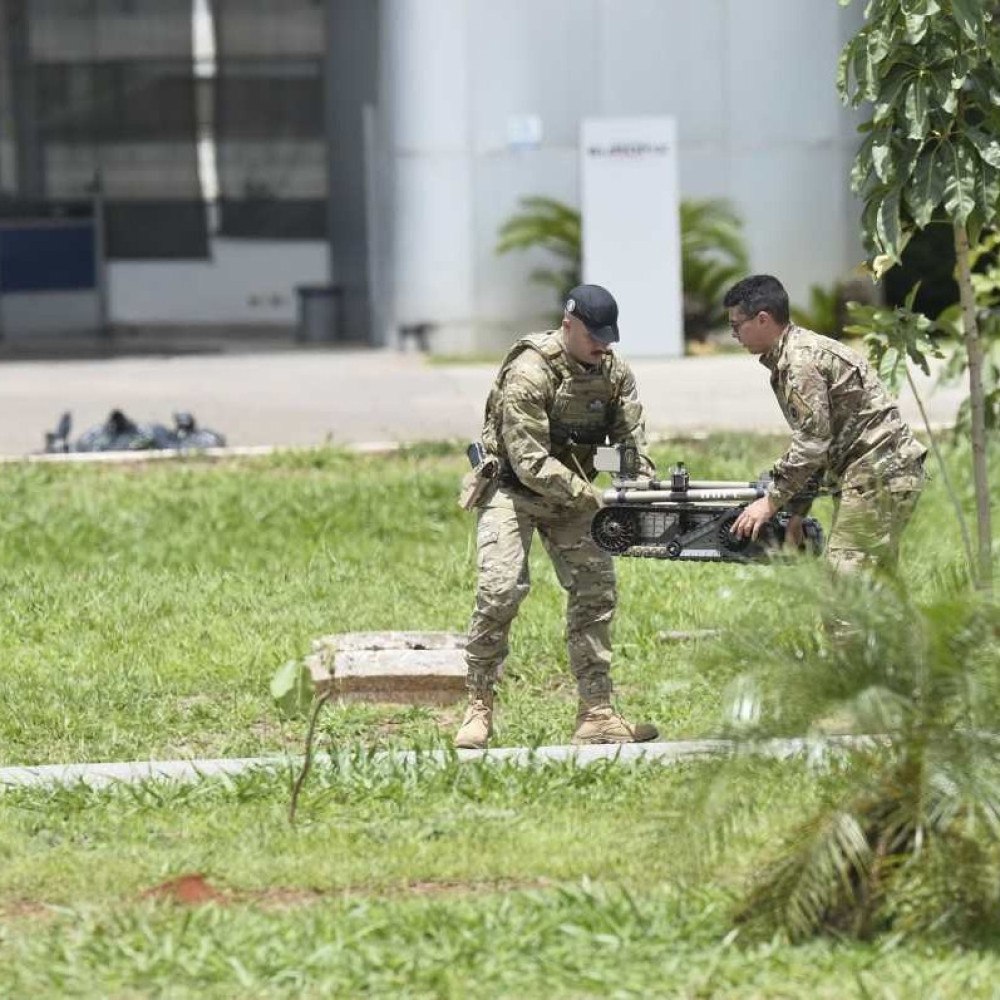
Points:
point(47, 256)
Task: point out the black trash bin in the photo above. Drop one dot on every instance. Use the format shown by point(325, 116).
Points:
point(319, 317)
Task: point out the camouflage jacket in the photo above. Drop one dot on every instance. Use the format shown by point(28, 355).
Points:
point(844, 423)
point(547, 413)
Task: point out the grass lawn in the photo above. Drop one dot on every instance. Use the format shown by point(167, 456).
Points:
point(146, 609)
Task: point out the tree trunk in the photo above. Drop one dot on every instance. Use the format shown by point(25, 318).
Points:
point(974, 350)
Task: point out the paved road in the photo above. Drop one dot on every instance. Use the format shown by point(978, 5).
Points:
point(309, 396)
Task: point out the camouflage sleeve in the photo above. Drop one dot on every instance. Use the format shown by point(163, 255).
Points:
point(628, 425)
point(806, 406)
point(525, 430)
point(802, 502)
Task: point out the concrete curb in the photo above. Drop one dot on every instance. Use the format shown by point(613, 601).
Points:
point(214, 454)
point(135, 772)
point(357, 447)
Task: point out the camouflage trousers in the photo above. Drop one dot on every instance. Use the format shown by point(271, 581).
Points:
point(506, 526)
point(869, 520)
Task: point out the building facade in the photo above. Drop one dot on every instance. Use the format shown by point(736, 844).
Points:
point(377, 145)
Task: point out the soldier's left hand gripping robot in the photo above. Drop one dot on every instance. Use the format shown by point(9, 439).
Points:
point(685, 519)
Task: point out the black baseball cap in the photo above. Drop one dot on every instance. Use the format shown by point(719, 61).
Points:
point(596, 308)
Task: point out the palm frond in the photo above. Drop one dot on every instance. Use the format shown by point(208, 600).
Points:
point(819, 872)
point(924, 673)
point(543, 222)
point(713, 252)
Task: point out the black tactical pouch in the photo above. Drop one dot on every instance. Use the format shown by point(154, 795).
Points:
point(478, 485)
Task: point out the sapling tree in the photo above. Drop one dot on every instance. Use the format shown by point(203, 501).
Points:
point(930, 71)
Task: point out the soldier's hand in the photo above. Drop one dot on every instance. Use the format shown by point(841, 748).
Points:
point(795, 535)
point(752, 518)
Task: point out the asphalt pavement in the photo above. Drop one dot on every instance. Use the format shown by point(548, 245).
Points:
point(301, 396)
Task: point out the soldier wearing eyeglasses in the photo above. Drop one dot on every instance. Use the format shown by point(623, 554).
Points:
point(846, 429)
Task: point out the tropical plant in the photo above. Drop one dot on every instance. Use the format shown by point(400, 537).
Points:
point(906, 833)
point(713, 253)
point(821, 315)
point(931, 70)
point(550, 225)
point(985, 261)
point(895, 337)
point(713, 256)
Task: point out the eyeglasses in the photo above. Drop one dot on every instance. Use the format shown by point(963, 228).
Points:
point(735, 324)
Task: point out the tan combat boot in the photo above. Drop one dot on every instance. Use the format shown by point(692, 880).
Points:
point(600, 723)
point(477, 726)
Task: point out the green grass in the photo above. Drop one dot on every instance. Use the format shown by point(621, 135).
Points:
point(420, 881)
point(145, 611)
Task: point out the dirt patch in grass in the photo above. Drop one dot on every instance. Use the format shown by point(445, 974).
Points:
point(188, 890)
point(23, 909)
point(196, 889)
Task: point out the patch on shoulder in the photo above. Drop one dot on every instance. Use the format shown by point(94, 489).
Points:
point(798, 408)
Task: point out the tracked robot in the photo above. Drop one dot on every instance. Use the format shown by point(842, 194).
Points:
point(684, 519)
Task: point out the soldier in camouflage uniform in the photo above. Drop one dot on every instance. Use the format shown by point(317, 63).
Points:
point(556, 397)
point(845, 426)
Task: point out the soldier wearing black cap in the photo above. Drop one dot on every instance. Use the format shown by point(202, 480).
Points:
point(556, 397)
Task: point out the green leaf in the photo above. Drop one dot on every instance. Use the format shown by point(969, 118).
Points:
point(985, 95)
point(878, 44)
point(960, 180)
point(861, 67)
point(916, 110)
point(916, 27)
point(869, 215)
point(843, 61)
point(969, 16)
point(292, 688)
point(890, 91)
point(888, 369)
point(987, 146)
point(987, 199)
point(887, 222)
point(882, 157)
point(861, 169)
point(907, 160)
point(943, 95)
point(926, 189)
point(994, 45)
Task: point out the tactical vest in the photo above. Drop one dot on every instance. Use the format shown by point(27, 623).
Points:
point(583, 412)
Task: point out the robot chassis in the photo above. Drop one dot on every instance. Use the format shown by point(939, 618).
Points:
point(685, 519)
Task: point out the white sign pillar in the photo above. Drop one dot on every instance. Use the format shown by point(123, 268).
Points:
point(631, 228)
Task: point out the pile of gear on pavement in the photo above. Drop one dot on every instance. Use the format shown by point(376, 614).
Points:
point(120, 433)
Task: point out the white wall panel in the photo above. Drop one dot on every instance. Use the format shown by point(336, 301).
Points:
point(532, 57)
point(25, 316)
point(665, 57)
point(502, 293)
point(751, 84)
point(433, 248)
point(245, 281)
point(427, 48)
point(704, 170)
point(795, 205)
point(782, 65)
